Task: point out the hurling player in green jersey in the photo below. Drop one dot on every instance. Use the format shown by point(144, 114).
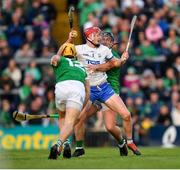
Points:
point(113, 79)
point(71, 95)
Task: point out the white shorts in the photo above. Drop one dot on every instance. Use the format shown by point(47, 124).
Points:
point(69, 93)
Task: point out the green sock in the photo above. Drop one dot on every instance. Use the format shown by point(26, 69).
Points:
point(121, 141)
point(79, 144)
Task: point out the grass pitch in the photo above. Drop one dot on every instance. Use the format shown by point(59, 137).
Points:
point(94, 158)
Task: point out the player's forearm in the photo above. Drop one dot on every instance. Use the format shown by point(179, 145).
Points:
point(54, 60)
point(72, 35)
point(111, 64)
point(69, 40)
point(103, 67)
point(119, 62)
point(59, 51)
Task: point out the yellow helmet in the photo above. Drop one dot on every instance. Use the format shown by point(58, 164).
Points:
point(69, 50)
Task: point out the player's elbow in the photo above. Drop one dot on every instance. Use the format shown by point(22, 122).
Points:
point(115, 64)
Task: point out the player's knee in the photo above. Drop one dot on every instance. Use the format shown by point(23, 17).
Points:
point(110, 127)
point(70, 125)
point(127, 116)
point(71, 122)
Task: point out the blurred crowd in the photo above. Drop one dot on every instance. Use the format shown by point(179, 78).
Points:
point(149, 81)
point(25, 37)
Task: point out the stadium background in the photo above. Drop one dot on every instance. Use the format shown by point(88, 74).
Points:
point(31, 32)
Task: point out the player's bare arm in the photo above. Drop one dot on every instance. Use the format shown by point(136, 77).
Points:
point(121, 61)
point(54, 60)
point(72, 35)
point(114, 62)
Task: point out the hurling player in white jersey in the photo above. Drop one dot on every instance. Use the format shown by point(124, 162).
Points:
point(95, 54)
point(88, 55)
point(92, 53)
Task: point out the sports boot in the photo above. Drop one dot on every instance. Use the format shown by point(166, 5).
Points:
point(123, 149)
point(67, 151)
point(54, 153)
point(134, 148)
point(78, 152)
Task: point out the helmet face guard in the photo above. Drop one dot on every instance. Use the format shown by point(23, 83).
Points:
point(107, 39)
point(68, 50)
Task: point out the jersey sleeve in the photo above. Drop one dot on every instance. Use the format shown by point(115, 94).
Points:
point(109, 54)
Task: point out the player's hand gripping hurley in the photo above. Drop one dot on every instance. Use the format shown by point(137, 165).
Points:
point(73, 34)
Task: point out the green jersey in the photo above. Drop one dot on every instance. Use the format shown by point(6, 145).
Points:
point(69, 69)
point(113, 75)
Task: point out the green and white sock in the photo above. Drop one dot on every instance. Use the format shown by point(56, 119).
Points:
point(79, 144)
point(66, 142)
point(121, 142)
point(59, 143)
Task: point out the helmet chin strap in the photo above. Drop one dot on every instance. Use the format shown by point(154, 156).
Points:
point(96, 45)
point(91, 41)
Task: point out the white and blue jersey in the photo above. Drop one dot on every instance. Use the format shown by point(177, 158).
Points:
point(87, 55)
point(100, 89)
